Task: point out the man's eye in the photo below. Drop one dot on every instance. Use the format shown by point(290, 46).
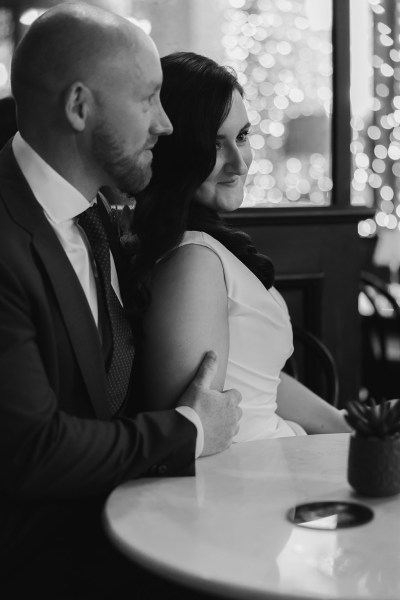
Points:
point(151, 97)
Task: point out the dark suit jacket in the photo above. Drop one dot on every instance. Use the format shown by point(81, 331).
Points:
point(59, 448)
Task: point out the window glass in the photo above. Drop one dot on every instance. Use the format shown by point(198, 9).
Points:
point(375, 103)
point(282, 52)
point(6, 47)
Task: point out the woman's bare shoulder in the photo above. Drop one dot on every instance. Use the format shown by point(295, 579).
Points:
point(187, 317)
point(187, 265)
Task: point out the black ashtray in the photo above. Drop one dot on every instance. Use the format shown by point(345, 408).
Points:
point(329, 515)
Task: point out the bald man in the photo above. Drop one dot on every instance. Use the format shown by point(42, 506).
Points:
point(86, 85)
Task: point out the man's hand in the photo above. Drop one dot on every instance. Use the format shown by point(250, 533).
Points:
point(218, 411)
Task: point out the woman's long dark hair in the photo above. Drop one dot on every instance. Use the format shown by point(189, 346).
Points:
point(197, 95)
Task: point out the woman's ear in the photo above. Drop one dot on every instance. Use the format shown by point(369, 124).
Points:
point(77, 102)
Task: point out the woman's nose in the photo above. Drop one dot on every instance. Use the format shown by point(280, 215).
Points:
point(236, 162)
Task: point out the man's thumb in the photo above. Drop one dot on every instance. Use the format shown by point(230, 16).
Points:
point(207, 370)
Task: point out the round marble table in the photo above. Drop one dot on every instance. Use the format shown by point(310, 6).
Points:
point(226, 529)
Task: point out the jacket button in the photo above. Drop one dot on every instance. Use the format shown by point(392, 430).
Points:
point(162, 469)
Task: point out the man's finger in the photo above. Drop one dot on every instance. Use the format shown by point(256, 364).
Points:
point(207, 370)
point(235, 396)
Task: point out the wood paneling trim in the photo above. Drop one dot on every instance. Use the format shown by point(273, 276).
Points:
point(341, 110)
point(296, 215)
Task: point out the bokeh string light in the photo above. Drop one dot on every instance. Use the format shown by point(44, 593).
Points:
point(375, 122)
point(282, 52)
point(6, 49)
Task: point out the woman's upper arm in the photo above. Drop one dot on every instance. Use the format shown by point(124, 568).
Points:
point(188, 315)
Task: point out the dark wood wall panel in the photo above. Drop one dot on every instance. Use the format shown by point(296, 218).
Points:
point(303, 295)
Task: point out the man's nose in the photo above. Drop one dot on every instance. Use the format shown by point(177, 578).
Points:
point(161, 124)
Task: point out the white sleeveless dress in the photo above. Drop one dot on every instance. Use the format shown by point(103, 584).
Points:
point(260, 342)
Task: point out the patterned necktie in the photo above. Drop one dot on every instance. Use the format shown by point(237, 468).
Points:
point(120, 367)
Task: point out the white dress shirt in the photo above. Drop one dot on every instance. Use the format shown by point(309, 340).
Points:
point(62, 204)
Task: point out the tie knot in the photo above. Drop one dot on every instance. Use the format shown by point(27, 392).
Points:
point(91, 222)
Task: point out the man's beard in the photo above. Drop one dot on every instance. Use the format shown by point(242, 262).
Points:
point(130, 174)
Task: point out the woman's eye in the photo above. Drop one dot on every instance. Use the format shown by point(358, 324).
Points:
point(243, 135)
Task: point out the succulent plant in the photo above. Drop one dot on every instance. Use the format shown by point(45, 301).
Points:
point(369, 418)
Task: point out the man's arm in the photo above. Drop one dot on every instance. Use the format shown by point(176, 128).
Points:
point(46, 451)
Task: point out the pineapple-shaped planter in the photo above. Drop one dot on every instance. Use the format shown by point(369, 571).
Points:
point(373, 467)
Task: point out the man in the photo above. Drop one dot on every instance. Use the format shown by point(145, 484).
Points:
point(7, 119)
point(86, 85)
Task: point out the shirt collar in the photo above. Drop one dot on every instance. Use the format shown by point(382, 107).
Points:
point(58, 198)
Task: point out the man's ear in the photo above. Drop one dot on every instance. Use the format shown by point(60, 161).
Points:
point(77, 102)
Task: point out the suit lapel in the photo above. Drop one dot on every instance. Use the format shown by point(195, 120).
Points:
point(77, 316)
point(71, 299)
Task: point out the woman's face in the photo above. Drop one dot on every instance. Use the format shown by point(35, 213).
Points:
point(223, 189)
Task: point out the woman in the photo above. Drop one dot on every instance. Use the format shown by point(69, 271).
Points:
point(201, 285)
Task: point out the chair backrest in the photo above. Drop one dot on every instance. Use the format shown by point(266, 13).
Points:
point(313, 364)
point(382, 322)
point(380, 337)
point(375, 290)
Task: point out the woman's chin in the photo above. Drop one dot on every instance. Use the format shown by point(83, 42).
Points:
point(232, 205)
